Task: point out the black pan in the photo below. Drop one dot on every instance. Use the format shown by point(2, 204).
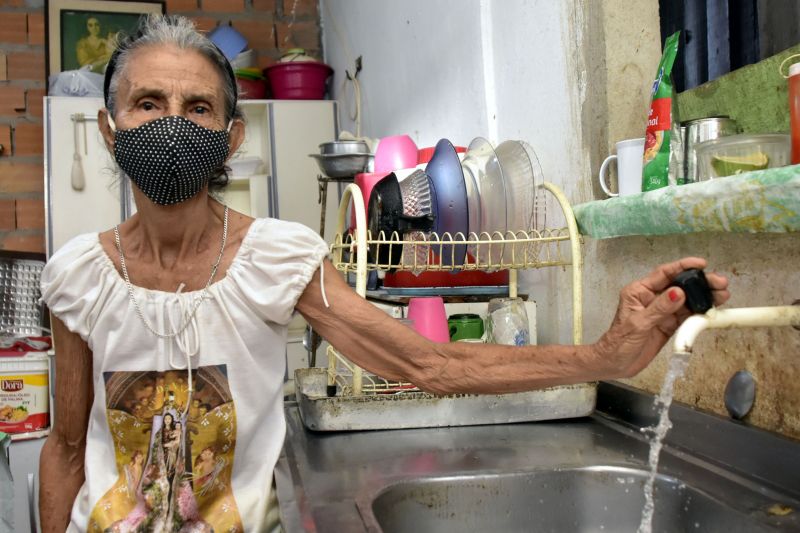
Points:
point(385, 214)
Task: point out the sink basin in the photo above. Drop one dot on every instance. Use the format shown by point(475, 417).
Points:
point(577, 475)
point(596, 499)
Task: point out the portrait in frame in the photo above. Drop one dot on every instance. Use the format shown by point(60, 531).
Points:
point(83, 33)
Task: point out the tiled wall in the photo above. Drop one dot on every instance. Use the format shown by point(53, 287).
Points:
point(270, 26)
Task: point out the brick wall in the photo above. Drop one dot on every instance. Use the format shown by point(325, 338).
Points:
point(22, 87)
point(270, 26)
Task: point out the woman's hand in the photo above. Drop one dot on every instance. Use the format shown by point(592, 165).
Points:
point(649, 312)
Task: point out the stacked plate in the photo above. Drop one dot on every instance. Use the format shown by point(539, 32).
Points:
point(483, 166)
point(491, 194)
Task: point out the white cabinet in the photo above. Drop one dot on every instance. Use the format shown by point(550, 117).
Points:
point(282, 133)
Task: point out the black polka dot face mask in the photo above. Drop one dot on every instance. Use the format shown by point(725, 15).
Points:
point(170, 159)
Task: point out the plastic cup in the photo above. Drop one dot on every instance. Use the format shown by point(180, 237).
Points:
point(507, 322)
point(365, 181)
point(465, 326)
point(430, 318)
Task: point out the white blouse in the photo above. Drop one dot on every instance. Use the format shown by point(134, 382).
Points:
point(159, 456)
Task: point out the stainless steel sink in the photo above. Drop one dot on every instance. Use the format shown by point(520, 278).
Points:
point(576, 475)
point(591, 499)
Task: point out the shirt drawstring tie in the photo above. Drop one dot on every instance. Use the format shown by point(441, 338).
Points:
point(322, 284)
point(188, 341)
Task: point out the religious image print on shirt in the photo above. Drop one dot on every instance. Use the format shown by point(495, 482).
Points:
point(174, 453)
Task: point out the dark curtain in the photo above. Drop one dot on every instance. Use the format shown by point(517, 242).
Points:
point(718, 36)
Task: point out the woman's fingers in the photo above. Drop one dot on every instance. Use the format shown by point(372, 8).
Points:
point(661, 278)
point(716, 281)
point(664, 307)
point(719, 287)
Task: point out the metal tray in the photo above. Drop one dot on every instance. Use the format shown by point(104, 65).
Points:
point(21, 312)
point(421, 410)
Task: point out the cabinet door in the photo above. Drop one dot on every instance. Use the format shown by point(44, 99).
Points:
point(296, 130)
point(24, 459)
point(77, 145)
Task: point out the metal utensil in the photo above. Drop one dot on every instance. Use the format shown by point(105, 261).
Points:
point(342, 165)
point(700, 130)
point(77, 177)
point(311, 342)
point(344, 147)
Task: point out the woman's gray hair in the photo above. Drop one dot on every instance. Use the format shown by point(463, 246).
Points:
point(157, 29)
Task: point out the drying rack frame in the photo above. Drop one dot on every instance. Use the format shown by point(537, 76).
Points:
point(345, 397)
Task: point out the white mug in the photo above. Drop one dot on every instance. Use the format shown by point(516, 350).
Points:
point(630, 153)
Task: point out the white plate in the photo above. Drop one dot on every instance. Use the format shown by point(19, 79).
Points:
point(481, 161)
point(474, 207)
point(518, 178)
point(520, 194)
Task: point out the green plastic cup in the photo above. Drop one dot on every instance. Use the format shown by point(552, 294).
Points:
point(465, 326)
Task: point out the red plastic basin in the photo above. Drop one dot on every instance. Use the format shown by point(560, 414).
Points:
point(298, 80)
point(465, 278)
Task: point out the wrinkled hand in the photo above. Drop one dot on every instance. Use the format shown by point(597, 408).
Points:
point(649, 312)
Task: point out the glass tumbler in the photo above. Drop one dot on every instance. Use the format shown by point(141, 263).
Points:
point(507, 322)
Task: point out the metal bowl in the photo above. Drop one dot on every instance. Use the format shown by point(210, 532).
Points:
point(342, 165)
point(344, 147)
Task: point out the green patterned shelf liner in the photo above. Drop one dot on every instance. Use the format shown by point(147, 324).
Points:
point(765, 201)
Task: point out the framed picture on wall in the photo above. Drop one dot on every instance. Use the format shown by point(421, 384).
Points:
point(83, 33)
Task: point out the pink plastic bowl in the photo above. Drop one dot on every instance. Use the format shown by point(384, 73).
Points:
point(397, 151)
point(301, 80)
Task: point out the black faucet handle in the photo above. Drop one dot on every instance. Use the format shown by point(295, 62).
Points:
point(695, 286)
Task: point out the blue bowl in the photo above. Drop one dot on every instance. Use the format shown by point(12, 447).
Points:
point(227, 39)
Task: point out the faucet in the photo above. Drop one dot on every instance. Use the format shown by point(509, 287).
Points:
point(744, 317)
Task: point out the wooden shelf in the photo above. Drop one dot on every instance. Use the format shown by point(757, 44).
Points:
point(766, 201)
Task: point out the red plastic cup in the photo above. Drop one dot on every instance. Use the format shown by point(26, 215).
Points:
point(365, 182)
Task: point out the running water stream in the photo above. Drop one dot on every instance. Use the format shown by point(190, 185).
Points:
point(677, 366)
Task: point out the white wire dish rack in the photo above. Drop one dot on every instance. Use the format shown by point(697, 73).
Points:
point(345, 397)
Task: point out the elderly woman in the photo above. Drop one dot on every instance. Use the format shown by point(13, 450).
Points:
point(198, 296)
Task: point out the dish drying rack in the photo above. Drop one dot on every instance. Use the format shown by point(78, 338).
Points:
point(345, 397)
